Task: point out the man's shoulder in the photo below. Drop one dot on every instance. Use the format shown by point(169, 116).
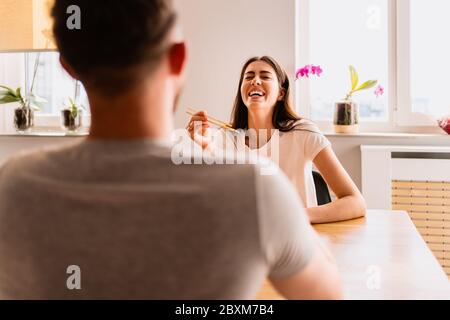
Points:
point(29, 160)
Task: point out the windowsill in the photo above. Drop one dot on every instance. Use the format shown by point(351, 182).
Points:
point(43, 134)
point(387, 135)
point(48, 132)
point(83, 132)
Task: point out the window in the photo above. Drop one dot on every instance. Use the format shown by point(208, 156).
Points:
point(397, 42)
point(424, 77)
point(52, 83)
point(343, 33)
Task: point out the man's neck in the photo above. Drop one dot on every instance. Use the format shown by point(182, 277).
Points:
point(145, 112)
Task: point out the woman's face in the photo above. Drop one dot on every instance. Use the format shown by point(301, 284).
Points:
point(260, 87)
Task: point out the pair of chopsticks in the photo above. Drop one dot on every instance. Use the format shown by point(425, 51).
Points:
point(212, 120)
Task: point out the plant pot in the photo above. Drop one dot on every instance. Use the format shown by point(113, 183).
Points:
point(346, 117)
point(69, 122)
point(23, 119)
point(353, 129)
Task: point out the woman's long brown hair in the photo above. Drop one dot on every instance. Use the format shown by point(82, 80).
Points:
point(284, 117)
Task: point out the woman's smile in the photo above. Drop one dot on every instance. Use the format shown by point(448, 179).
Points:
point(256, 95)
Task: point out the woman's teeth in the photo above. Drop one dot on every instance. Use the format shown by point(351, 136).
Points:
point(256, 93)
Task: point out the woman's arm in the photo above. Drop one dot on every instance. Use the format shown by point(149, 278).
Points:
point(350, 203)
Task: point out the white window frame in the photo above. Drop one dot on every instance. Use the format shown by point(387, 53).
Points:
point(400, 115)
point(405, 115)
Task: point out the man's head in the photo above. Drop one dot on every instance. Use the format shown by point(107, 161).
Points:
point(120, 43)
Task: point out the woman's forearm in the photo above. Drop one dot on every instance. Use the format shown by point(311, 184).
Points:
point(345, 208)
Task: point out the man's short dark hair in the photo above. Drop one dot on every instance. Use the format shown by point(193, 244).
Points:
point(115, 37)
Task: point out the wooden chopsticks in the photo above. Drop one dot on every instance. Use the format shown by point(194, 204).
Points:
point(217, 122)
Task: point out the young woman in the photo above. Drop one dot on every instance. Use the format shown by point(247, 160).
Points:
point(262, 104)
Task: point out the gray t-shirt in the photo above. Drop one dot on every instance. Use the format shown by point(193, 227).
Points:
point(140, 227)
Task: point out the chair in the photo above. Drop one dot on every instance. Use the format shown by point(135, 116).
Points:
point(322, 192)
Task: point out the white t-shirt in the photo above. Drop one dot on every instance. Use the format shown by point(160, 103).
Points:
point(297, 149)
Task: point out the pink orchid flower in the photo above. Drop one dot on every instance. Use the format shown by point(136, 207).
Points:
point(302, 72)
point(444, 123)
point(317, 70)
point(379, 91)
point(307, 70)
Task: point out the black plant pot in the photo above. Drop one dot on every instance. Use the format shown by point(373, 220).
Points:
point(23, 119)
point(69, 122)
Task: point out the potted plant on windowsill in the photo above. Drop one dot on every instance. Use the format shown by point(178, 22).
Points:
point(71, 115)
point(24, 114)
point(346, 113)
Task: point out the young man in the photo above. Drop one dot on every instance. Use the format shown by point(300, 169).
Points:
point(114, 217)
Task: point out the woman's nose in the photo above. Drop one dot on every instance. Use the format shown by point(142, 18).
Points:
point(256, 81)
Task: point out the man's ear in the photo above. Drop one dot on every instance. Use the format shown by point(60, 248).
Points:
point(177, 58)
point(68, 68)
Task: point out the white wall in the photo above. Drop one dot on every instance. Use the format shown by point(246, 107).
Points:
point(221, 36)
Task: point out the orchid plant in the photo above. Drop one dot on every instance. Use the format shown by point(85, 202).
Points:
point(9, 95)
point(73, 107)
point(354, 77)
point(316, 70)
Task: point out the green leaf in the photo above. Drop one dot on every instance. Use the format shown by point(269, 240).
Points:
point(8, 92)
point(74, 109)
point(354, 77)
point(18, 93)
point(7, 88)
point(8, 99)
point(367, 85)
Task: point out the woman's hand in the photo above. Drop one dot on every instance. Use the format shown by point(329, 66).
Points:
point(198, 129)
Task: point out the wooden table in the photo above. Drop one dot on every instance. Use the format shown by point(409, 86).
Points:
point(381, 256)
